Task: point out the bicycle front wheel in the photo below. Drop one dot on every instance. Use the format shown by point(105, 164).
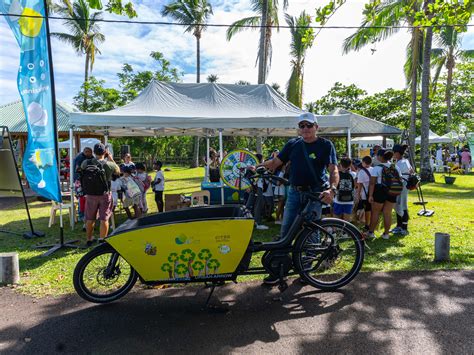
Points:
point(103, 276)
point(331, 258)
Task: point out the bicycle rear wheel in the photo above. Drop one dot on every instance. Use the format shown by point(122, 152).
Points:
point(103, 276)
point(325, 264)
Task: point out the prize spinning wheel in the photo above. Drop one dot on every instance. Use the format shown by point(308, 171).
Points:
point(233, 168)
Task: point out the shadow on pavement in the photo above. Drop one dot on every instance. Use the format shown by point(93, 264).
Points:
point(395, 312)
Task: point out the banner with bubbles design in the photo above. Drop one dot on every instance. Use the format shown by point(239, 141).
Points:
point(34, 84)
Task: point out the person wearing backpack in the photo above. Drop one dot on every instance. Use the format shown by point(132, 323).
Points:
point(344, 200)
point(385, 185)
point(362, 194)
point(96, 177)
point(401, 207)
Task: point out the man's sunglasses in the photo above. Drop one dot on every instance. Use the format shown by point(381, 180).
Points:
point(307, 125)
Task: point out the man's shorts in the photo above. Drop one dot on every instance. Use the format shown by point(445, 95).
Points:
point(339, 210)
point(381, 195)
point(102, 204)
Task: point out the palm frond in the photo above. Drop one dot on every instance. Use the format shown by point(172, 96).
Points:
point(238, 26)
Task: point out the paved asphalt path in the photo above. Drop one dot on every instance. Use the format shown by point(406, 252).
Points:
point(397, 313)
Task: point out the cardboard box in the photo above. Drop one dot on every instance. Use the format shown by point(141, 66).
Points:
point(175, 202)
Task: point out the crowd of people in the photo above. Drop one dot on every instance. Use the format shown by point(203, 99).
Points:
point(460, 159)
point(101, 184)
point(351, 189)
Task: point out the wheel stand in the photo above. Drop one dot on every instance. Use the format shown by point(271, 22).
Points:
point(214, 308)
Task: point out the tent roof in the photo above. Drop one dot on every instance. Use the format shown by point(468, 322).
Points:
point(371, 139)
point(433, 138)
point(12, 115)
point(200, 109)
point(363, 126)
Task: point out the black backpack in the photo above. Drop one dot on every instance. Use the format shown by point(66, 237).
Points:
point(391, 180)
point(345, 188)
point(93, 179)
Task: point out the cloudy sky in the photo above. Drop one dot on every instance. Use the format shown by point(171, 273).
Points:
point(230, 61)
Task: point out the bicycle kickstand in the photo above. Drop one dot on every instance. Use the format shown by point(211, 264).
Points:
point(282, 284)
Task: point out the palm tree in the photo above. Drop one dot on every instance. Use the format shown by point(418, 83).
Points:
point(391, 13)
point(212, 78)
point(271, 19)
point(194, 14)
point(302, 38)
point(84, 33)
point(446, 55)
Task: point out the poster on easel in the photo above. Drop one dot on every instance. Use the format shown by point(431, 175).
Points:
point(9, 183)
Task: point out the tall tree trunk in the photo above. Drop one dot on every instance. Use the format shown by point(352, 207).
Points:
point(426, 172)
point(195, 162)
point(198, 58)
point(262, 47)
point(86, 79)
point(449, 82)
point(262, 60)
point(414, 88)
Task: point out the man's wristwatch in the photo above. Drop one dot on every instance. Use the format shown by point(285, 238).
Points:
point(333, 188)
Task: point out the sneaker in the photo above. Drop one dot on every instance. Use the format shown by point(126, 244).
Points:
point(396, 230)
point(277, 222)
point(385, 236)
point(262, 227)
point(101, 240)
point(272, 280)
point(370, 235)
point(90, 243)
point(404, 232)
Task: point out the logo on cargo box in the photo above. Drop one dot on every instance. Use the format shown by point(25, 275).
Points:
point(150, 249)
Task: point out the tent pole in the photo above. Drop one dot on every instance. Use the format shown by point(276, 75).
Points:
point(206, 178)
point(221, 153)
point(349, 143)
point(71, 173)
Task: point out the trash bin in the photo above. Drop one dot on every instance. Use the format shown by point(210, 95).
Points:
point(442, 246)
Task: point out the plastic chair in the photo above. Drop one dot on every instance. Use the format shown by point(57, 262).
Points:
point(198, 198)
point(62, 206)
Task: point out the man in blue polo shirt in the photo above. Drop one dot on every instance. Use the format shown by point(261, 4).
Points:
point(312, 159)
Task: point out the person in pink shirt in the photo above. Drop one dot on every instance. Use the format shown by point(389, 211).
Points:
point(466, 160)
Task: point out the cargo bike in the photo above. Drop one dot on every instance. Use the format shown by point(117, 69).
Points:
point(212, 245)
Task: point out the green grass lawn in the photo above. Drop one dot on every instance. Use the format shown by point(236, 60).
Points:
point(454, 214)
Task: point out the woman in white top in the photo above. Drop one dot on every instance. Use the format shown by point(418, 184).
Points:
point(401, 206)
point(379, 197)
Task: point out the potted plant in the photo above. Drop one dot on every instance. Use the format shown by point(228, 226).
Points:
point(449, 179)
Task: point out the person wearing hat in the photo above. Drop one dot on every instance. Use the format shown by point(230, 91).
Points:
point(312, 159)
point(101, 199)
point(401, 207)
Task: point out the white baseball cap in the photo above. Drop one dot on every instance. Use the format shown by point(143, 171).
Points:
point(308, 117)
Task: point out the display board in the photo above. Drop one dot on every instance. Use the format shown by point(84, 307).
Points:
point(9, 183)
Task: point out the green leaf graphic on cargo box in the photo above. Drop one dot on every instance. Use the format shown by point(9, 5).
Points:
point(205, 254)
point(181, 269)
point(214, 264)
point(167, 268)
point(173, 258)
point(188, 256)
point(198, 266)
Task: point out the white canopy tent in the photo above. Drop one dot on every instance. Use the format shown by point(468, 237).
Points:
point(369, 142)
point(433, 138)
point(452, 136)
point(85, 142)
point(164, 109)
